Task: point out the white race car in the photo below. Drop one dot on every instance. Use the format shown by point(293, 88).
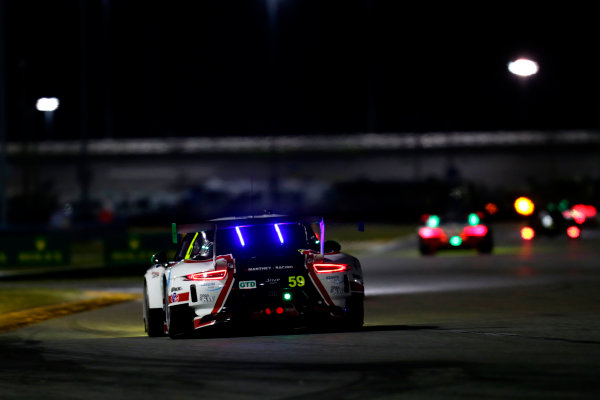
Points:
point(266, 269)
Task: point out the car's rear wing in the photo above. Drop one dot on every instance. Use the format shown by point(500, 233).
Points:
point(224, 223)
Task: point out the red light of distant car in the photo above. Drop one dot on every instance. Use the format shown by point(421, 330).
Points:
point(428, 233)
point(476, 230)
point(527, 233)
point(279, 310)
point(491, 208)
point(268, 311)
point(573, 232)
point(588, 211)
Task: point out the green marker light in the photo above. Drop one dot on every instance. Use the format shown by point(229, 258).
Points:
point(473, 219)
point(433, 221)
point(287, 296)
point(455, 241)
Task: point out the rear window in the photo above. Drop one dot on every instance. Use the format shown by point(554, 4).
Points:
point(268, 239)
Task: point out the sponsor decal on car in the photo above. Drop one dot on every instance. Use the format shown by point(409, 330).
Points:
point(179, 297)
point(335, 290)
point(206, 298)
point(247, 284)
point(175, 289)
point(335, 279)
point(253, 269)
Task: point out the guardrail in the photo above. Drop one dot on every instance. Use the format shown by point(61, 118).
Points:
point(319, 143)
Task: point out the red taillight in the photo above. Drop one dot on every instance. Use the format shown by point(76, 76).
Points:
point(208, 276)
point(527, 233)
point(476, 230)
point(279, 310)
point(327, 268)
point(268, 311)
point(429, 233)
point(573, 232)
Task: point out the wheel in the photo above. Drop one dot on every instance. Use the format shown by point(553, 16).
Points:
point(180, 318)
point(355, 312)
point(153, 318)
point(179, 321)
point(486, 246)
point(425, 249)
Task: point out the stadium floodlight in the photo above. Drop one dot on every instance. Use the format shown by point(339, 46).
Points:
point(523, 67)
point(47, 104)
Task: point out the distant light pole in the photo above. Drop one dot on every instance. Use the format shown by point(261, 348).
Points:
point(48, 105)
point(524, 69)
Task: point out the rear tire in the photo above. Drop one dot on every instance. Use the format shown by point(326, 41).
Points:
point(179, 318)
point(180, 321)
point(425, 249)
point(154, 318)
point(486, 246)
point(355, 312)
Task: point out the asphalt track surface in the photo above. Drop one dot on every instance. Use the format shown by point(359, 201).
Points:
point(522, 323)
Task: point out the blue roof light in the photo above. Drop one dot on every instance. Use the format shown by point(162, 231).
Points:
point(279, 233)
point(239, 233)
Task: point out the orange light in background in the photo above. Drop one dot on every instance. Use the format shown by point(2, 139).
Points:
point(524, 206)
point(527, 233)
point(491, 208)
point(573, 232)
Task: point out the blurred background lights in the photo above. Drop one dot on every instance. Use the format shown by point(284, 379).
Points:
point(523, 67)
point(527, 233)
point(473, 219)
point(547, 221)
point(433, 221)
point(47, 104)
point(524, 206)
point(455, 241)
point(573, 232)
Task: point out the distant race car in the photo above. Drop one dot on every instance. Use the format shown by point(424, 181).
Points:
point(263, 269)
point(555, 218)
point(454, 232)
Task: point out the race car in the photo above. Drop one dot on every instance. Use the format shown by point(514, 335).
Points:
point(245, 270)
point(453, 232)
point(555, 218)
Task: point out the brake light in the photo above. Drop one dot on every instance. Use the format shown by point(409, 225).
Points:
point(328, 268)
point(573, 232)
point(527, 233)
point(208, 276)
point(428, 233)
point(476, 230)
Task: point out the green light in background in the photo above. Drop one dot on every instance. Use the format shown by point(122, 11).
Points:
point(473, 219)
point(433, 221)
point(287, 296)
point(455, 241)
point(563, 205)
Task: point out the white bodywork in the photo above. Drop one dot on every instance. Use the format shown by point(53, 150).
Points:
point(210, 296)
point(326, 282)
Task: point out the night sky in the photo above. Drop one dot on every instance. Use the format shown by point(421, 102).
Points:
point(173, 69)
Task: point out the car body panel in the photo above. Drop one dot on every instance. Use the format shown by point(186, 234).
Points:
point(271, 282)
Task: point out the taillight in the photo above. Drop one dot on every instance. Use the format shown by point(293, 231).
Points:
point(527, 233)
point(477, 230)
point(208, 276)
point(328, 268)
point(573, 232)
point(428, 233)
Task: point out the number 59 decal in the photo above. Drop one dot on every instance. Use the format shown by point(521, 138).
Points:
point(296, 281)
